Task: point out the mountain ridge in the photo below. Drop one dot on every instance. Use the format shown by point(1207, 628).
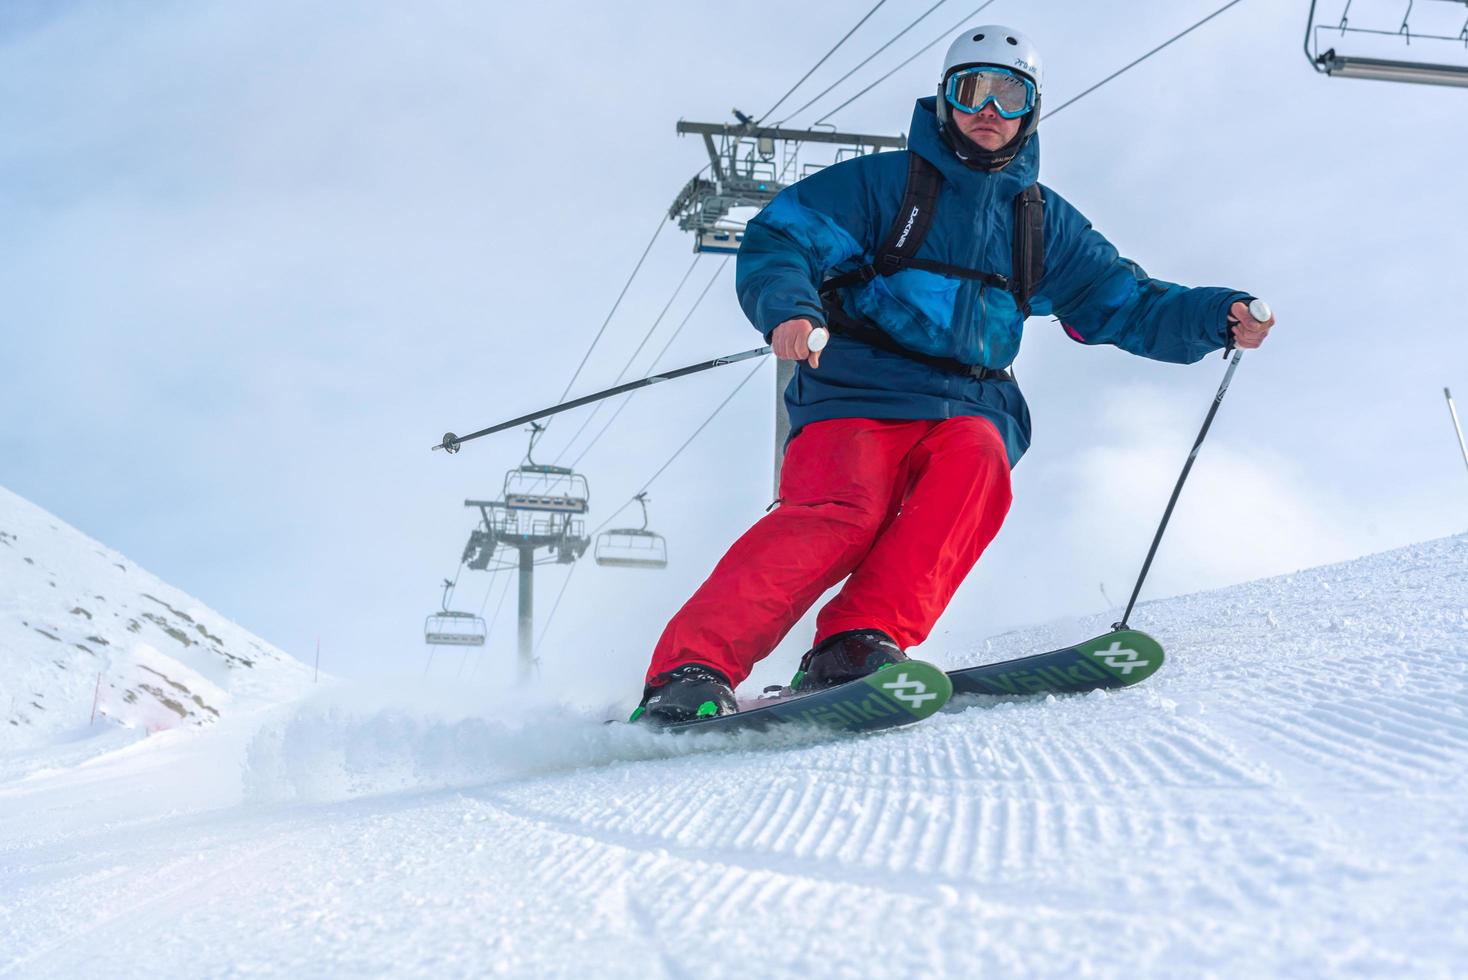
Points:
point(92, 641)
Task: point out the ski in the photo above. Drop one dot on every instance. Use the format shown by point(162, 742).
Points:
point(899, 694)
point(1117, 659)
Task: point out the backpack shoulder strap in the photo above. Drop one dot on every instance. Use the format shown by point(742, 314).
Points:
point(909, 228)
point(1029, 244)
point(914, 215)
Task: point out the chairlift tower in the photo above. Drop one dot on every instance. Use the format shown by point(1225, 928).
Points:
point(542, 509)
point(748, 165)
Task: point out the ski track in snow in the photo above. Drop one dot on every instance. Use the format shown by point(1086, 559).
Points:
point(1284, 798)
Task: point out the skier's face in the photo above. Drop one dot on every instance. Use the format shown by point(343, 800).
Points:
point(987, 128)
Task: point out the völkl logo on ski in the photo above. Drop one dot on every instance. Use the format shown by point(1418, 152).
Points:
point(1117, 659)
point(911, 692)
point(1121, 658)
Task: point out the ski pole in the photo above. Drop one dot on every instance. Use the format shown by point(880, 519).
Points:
point(452, 443)
point(1453, 410)
point(1260, 311)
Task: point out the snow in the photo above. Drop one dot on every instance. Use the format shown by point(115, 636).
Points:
point(1284, 798)
point(97, 651)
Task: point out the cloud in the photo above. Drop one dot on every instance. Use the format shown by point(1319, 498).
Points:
point(1245, 511)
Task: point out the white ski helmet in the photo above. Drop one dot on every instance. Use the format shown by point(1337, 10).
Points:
point(1002, 47)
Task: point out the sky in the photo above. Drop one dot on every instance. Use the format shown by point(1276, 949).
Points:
point(257, 258)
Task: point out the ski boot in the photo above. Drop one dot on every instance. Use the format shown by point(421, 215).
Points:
point(686, 693)
point(845, 656)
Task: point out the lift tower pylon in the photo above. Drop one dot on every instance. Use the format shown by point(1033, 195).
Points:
point(539, 510)
point(747, 169)
point(748, 165)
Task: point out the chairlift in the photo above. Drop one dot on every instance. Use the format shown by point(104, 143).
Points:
point(453, 629)
point(1399, 67)
point(536, 486)
point(542, 487)
point(632, 547)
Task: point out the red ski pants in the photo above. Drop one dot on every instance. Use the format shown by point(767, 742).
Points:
point(903, 508)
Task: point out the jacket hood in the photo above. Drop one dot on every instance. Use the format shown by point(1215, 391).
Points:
point(925, 140)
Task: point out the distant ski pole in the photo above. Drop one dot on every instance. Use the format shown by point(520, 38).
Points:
point(1260, 311)
point(452, 443)
point(1457, 426)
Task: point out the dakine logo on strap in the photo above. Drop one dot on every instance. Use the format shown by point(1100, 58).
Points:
point(907, 228)
point(911, 692)
point(1121, 658)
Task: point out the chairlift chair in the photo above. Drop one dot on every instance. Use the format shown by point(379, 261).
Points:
point(536, 486)
point(541, 487)
point(453, 629)
point(1400, 68)
point(632, 547)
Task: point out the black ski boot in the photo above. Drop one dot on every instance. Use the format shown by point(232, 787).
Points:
point(845, 657)
point(686, 693)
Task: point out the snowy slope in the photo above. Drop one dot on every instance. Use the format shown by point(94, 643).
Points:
point(81, 624)
point(1285, 799)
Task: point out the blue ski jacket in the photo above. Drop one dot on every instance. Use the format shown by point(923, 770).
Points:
point(835, 220)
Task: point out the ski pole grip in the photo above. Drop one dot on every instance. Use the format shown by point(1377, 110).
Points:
point(1259, 310)
point(819, 337)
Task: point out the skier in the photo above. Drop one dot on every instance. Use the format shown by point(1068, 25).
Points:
point(905, 427)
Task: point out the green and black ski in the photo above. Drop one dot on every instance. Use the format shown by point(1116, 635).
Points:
point(1117, 659)
point(898, 694)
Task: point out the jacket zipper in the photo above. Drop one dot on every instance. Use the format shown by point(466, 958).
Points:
point(984, 233)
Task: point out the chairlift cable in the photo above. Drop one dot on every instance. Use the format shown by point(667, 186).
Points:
point(489, 588)
point(626, 367)
point(662, 221)
point(1129, 67)
point(645, 486)
point(493, 620)
point(921, 51)
point(818, 64)
point(688, 442)
point(865, 61)
point(698, 431)
point(552, 614)
point(504, 591)
point(656, 361)
point(621, 295)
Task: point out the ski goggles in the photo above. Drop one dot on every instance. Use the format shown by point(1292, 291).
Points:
point(973, 88)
